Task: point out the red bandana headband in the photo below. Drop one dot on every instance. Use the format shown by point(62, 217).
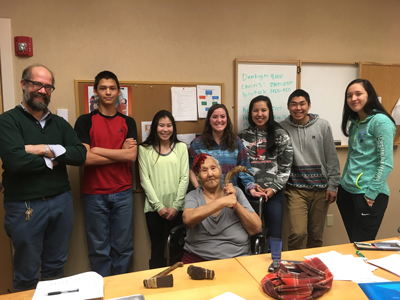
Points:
point(198, 161)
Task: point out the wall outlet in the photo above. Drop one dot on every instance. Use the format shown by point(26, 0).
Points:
point(329, 220)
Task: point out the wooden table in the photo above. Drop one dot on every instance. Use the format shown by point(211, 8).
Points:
point(257, 266)
point(230, 276)
point(241, 276)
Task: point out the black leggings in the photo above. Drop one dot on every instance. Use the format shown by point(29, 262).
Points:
point(159, 229)
point(361, 221)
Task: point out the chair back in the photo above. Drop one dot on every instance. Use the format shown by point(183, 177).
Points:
point(175, 243)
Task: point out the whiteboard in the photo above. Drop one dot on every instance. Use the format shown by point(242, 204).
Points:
point(274, 80)
point(326, 85)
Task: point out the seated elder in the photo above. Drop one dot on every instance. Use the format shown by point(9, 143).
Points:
point(220, 220)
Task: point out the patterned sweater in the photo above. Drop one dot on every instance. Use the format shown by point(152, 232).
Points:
point(315, 161)
point(270, 170)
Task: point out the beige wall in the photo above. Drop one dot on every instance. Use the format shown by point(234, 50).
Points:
point(196, 41)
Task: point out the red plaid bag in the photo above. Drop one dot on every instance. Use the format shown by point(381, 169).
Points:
point(312, 281)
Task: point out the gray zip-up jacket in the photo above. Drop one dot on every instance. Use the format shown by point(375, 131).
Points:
point(315, 161)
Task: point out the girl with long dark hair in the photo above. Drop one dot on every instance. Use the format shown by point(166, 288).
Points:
point(363, 193)
point(219, 141)
point(164, 176)
point(270, 153)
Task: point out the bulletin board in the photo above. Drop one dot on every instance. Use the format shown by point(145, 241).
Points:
point(385, 78)
point(147, 98)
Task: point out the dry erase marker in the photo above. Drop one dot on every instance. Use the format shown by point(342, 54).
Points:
point(62, 292)
point(360, 255)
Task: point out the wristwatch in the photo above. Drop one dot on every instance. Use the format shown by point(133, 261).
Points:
point(47, 149)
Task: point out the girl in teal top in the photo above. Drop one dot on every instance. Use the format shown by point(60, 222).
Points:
point(164, 176)
point(363, 193)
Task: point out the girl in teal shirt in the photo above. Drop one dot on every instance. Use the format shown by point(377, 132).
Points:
point(363, 193)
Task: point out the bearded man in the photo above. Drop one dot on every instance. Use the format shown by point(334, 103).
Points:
point(35, 147)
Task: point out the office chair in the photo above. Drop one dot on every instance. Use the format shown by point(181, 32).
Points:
point(176, 241)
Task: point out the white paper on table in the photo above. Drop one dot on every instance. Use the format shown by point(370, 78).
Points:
point(347, 267)
point(184, 103)
point(207, 96)
point(396, 112)
point(373, 278)
point(186, 138)
point(89, 284)
point(145, 130)
point(390, 263)
point(228, 296)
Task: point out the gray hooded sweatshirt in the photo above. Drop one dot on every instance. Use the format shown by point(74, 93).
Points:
point(315, 161)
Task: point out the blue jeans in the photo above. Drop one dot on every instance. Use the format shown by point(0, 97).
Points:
point(40, 242)
point(109, 231)
point(272, 212)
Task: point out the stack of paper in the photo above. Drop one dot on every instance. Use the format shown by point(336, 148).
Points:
point(83, 286)
point(348, 267)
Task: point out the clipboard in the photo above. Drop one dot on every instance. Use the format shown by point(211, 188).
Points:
point(388, 246)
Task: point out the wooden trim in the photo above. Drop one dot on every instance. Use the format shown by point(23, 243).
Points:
point(330, 62)
point(298, 85)
point(380, 64)
point(235, 102)
point(263, 61)
point(122, 82)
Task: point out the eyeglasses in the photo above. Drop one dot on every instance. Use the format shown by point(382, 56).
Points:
point(38, 85)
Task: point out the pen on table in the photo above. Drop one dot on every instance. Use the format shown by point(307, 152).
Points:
point(360, 255)
point(367, 244)
point(62, 292)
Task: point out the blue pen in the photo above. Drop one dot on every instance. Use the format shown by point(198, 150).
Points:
point(360, 255)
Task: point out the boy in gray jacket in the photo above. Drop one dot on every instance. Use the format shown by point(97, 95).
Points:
point(315, 173)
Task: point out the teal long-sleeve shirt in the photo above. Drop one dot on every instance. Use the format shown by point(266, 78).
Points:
point(370, 156)
point(26, 175)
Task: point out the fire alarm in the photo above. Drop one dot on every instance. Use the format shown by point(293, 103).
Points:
point(23, 46)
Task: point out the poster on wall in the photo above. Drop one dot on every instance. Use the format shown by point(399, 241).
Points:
point(207, 96)
point(184, 103)
point(122, 104)
point(146, 127)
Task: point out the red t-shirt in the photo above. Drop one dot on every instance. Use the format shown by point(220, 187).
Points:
point(102, 131)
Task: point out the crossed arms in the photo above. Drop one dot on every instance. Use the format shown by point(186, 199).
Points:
point(104, 156)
